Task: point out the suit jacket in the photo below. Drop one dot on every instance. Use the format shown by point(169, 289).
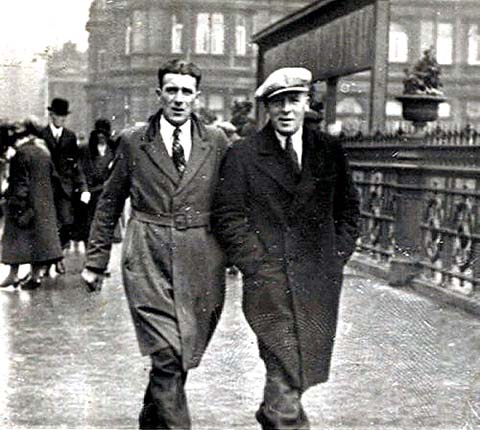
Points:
point(291, 240)
point(65, 157)
point(160, 259)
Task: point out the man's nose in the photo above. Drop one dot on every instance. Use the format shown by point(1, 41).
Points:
point(286, 105)
point(179, 98)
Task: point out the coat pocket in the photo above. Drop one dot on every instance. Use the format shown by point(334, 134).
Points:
point(21, 213)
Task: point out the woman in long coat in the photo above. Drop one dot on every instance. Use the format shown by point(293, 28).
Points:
point(31, 232)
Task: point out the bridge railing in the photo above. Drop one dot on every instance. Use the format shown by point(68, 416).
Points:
point(420, 205)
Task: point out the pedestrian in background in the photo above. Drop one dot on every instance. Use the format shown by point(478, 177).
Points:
point(30, 233)
point(63, 147)
point(286, 213)
point(96, 160)
point(172, 266)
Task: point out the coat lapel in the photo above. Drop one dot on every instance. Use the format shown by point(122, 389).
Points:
point(271, 161)
point(201, 148)
point(154, 147)
point(313, 169)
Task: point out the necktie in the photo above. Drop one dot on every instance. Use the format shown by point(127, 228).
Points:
point(292, 155)
point(178, 155)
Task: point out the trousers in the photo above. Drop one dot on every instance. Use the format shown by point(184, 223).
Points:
point(281, 407)
point(165, 403)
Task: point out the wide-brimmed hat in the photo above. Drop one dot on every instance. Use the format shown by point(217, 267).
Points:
point(59, 106)
point(285, 80)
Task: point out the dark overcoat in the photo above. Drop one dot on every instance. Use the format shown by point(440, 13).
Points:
point(290, 239)
point(174, 275)
point(31, 182)
point(65, 157)
point(96, 169)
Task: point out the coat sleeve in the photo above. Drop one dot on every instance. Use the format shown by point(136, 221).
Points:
point(109, 210)
point(79, 180)
point(18, 187)
point(18, 193)
point(346, 206)
point(230, 215)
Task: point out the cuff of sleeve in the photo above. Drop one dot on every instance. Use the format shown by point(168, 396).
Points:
point(96, 270)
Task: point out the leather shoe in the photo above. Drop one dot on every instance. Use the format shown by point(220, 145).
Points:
point(60, 268)
point(10, 280)
point(30, 283)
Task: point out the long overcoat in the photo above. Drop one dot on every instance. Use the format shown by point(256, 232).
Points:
point(173, 267)
point(291, 240)
point(31, 185)
point(65, 157)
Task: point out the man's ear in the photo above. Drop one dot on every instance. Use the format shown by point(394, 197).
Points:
point(158, 91)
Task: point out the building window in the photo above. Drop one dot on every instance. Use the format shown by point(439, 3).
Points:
point(473, 109)
point(473, 45)
point(393, 108)
point(444, 110)
point(214, 103)
point(398, 44)
point(101, 60)
point(210, 34)
point(349, 105)
point(444, 48)
point(128, 37)
point(240, 35)
point(426, 35)
point(139, 35)
point(177, 32)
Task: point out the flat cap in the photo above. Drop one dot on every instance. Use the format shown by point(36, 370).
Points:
point(287, 79)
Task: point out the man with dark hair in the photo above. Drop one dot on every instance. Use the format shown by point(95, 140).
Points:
point(173, 269)
point(63, 147)
point(286, 212)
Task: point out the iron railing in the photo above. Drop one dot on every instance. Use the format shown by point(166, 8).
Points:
point(420, 201)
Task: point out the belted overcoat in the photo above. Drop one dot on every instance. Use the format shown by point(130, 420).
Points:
point(291, 238)
point(173, 268)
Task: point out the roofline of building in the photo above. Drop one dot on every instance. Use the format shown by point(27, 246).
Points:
point(306, 18)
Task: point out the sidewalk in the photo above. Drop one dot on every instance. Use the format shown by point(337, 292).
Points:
point(70, 360)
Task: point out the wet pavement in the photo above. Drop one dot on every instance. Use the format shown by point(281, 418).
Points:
point(69, 359)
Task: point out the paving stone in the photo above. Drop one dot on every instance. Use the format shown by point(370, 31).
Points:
point(69, 359)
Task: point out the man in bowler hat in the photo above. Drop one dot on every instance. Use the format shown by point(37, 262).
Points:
point(286, 212)
point(63, 147)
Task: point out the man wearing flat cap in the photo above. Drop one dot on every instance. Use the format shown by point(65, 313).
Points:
point(63, 147)
point(285, 211)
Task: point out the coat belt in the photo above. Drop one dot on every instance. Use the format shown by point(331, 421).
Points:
point(179, 220)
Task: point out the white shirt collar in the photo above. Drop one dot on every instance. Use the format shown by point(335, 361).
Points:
point(166, 131)
point(297, 142)
point(56, 131)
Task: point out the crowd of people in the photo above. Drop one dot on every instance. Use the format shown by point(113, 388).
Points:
point(52, 187)
point(278, 204)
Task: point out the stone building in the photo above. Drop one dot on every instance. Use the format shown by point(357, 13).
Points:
point(129, 39)
point(67, 78)
point(23, 88)
point(452, 27)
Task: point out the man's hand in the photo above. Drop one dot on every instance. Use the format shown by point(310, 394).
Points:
point(85, 197)
point(92, 280)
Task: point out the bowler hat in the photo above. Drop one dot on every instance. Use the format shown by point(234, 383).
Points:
point(285, 80)
point(103, 126)
point(59, 106)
